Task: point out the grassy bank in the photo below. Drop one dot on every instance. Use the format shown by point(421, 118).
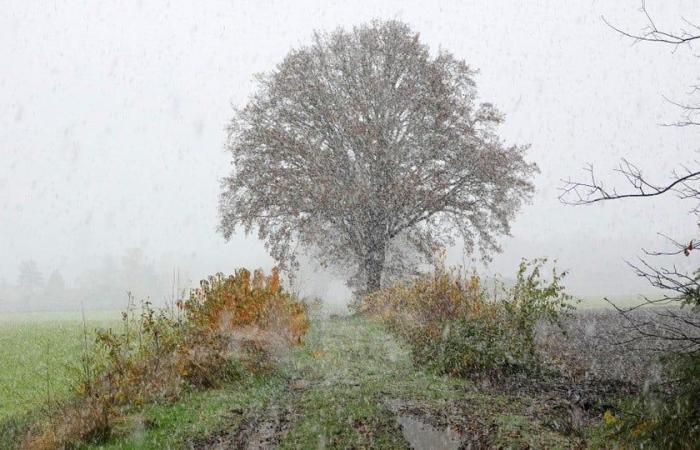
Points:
point(37, 354)
point(166, 363)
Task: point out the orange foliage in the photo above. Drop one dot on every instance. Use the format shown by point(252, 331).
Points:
point(227, 320)
point(428, 301)
point(225, 303)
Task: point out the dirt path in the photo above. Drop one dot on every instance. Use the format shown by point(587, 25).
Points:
point(354, 386)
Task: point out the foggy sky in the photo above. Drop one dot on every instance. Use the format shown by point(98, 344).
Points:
point(112, 121)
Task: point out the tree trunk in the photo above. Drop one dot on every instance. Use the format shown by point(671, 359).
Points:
point(374, 266)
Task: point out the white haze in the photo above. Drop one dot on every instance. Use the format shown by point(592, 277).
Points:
point(112, 119)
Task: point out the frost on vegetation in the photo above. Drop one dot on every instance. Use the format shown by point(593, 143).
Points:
point(368, 152)
point(455, 326)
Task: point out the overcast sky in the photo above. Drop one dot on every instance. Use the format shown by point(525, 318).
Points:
point(112, 119)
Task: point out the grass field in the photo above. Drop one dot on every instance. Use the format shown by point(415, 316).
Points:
point(38, 352)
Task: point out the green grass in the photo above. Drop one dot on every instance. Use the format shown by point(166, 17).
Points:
point(194, 416)
point(621, 301)
point(357, 370)
point(38, 352)
point(346, 362)
point(352, 372)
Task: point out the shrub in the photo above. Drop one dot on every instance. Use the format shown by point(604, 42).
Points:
point(226, 303)
point(665, 416)
point(228, 325)
point(455, 328)
point(128, 367)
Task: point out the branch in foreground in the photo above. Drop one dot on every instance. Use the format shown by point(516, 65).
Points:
point(653, 34)
point(592, 191)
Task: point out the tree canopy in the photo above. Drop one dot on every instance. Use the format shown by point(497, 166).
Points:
point(368, 152)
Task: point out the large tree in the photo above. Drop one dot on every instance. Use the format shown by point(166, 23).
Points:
point(369, 152)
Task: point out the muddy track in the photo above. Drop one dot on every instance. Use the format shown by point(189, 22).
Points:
point(452, 427)
point(262, 431)
point(265, 431)
point(353, 386)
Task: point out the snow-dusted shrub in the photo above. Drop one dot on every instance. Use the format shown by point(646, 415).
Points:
point(664, 416)
point(230, 325)
point(456, 327)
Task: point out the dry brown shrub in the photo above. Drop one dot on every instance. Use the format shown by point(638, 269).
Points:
point(454, 326)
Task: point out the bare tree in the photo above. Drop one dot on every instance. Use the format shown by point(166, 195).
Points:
point(367, 151)
point(678, 287)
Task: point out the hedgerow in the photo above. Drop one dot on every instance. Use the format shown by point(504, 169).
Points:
point(230, 326)
point(456, 326)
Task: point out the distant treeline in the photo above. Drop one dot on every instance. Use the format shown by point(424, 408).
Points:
point(105, 286)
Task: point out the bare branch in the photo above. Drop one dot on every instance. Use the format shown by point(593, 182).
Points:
point(653, 34)
point(592, 191)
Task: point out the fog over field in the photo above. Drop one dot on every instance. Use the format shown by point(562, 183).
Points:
point(374, 224)
point(113, 116)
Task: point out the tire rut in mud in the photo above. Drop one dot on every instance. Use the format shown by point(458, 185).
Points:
point(262, 431)
point(265, 431)
point(451, 428)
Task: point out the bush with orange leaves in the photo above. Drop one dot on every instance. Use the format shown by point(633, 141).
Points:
point(230, 325)
point(455, 327)
point(428, 301)
point(255, 318)
point(227, 303)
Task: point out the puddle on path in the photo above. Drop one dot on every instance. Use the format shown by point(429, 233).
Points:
point(423, 436)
